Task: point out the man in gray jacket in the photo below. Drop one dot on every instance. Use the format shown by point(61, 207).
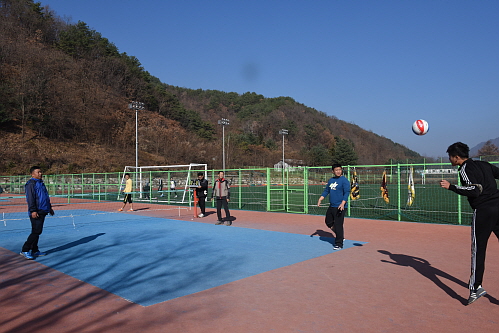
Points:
point(221, 191)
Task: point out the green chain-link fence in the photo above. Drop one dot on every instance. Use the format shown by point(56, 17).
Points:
point(296, 190)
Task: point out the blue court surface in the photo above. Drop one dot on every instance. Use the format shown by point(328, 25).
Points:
point(150, 260)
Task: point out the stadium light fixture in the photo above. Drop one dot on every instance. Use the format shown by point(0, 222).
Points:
point(283, 132)
point(224, 122)
point(136, 106)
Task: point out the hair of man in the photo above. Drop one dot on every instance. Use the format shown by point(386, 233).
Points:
point(459, 149)
point(33, 168)
point(336, 165)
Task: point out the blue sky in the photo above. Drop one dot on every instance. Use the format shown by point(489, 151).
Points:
point(378, 64)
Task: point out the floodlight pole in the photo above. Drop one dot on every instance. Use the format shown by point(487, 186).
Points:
point(283, 132)
point(136, 106)
point(224, 122)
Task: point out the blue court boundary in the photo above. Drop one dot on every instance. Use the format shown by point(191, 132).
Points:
point(148, 260)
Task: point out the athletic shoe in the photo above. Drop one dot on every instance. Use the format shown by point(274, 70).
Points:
point(201, 215)
point(39, 254)
point(130, 210)
point(219, 222)
point(476, 294)
point(228, 223)
point(27, 255)
point(120, 210)
point(336, 247)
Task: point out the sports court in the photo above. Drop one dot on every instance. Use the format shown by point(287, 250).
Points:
point(161, 270)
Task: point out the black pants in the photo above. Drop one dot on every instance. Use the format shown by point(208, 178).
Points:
point(334, 221)
point(485, 221)
point(36, 230)
point(202, 204)
point(222, 202)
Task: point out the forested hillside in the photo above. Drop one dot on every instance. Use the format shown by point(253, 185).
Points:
point(64, 95)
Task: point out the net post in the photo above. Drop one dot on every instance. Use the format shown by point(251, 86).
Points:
point(195, 203)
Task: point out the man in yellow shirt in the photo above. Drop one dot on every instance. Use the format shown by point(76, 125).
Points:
point(128, 193)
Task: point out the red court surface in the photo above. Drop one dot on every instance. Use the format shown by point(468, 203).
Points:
point(409, 277)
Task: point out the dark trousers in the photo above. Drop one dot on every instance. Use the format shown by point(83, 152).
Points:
point(485, 221)
point(202, 204)
point(334, 221)
point(222, 202)
point(36, 230)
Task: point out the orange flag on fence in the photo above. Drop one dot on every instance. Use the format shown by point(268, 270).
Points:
point(384, 190)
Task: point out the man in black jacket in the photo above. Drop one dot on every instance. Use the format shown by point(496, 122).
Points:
point(201, 193)
point(479, 186)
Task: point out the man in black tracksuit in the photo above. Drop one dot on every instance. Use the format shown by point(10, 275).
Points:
point(201, 192)
point(221, 191)
point(479, 186)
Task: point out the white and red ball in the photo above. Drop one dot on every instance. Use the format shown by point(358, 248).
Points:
point(420, 127)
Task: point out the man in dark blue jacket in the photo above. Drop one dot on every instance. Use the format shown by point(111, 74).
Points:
point(338, 189)
point(39, 206)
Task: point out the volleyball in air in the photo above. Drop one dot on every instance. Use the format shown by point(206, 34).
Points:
point(420, 127)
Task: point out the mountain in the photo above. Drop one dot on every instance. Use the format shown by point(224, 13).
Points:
point(64, 96)
point(474, 150)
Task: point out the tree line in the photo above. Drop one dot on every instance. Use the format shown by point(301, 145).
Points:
point(64, 82)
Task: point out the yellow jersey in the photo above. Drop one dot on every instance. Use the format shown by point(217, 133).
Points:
point(128, 186)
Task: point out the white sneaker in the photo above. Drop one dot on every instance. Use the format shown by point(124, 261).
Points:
point(201, 215)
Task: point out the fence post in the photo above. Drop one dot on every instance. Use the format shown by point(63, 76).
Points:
point(268, 189)
point(459, 218)
point(399, 216)
point(348, 200)
point(240, 189)
point(305, 189)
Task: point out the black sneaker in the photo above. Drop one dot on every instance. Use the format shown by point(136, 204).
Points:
point(476, 294)
point(336, 247)
point(219, 222)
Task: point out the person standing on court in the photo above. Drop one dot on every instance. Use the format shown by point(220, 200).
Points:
point(221, 191)
point(173, 186)
point(160, 186)
point(39, 206)
point(338, 188)
point(128, 193)
point(201, 193)
point(478, 184)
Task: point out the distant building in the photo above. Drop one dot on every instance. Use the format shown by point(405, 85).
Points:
point(289, 164)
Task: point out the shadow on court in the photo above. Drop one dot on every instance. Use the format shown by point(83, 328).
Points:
point(81, 241)
point(328, 237)
point(324, 236)
point(434, 274)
